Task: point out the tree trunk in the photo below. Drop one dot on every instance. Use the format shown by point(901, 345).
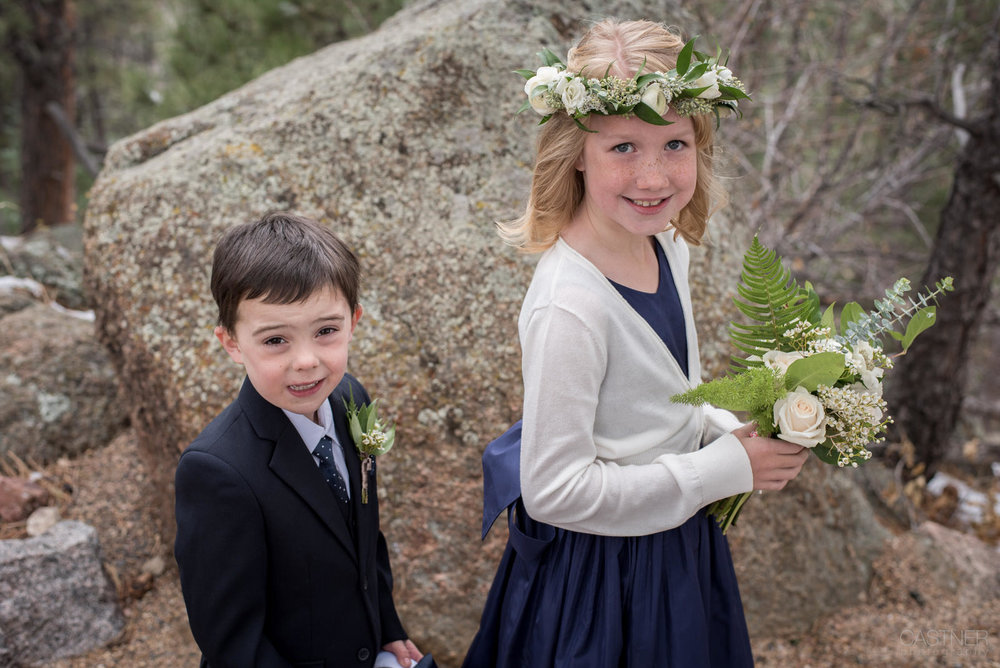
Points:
point(929, 382)
point(45, 54)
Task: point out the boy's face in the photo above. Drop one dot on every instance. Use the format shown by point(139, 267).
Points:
point(294, 354)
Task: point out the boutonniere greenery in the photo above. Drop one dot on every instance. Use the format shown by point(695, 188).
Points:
point(371, 437)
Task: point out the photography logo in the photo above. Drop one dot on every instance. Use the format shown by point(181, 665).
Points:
point(954, 643)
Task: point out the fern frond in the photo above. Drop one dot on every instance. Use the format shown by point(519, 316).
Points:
point(771, 300)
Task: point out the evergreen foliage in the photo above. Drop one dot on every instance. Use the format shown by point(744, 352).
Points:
point(753, 391)
point(220, 45)
point(772, 300)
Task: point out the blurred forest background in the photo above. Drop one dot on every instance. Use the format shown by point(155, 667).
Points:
point(870, 151)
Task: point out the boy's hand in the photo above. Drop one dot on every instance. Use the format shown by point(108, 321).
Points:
point(774, 462)
point(404, 651)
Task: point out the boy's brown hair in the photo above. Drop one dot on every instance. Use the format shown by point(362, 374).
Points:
point(282, 258)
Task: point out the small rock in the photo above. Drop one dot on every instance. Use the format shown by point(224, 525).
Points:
point(19, 497)
point(154, 566)
point(55, 599)
point(42, 520)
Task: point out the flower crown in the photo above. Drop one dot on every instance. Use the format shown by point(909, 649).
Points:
point(697, 85)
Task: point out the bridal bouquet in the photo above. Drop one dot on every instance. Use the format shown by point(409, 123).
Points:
point(806, 375)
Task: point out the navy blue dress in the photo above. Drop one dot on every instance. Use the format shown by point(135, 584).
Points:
point(564, 599)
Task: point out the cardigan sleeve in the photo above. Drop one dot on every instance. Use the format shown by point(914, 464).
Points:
point(718, 422)
point(563, 481)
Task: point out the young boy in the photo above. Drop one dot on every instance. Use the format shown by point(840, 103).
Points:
point(281, 563)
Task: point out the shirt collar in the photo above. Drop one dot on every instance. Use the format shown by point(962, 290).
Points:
point(309, 431)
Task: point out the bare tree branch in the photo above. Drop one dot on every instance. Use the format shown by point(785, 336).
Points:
point(55, 111)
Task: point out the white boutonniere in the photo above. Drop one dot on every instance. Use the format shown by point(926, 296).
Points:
point(371, 437)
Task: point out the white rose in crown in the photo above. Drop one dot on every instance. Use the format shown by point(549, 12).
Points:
point(654, 98)
point(574, 94)
point(544, 78)
point(710, 81)
point(800, 418)
point(724, 73)
point(779, 360)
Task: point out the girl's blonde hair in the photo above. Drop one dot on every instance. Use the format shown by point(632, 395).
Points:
point(556, 185)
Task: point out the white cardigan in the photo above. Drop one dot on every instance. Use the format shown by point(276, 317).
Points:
point(603, 448)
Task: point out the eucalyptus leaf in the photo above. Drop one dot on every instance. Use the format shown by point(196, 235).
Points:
point(646, 78)
point(550, 59)
point(693, 74)
point(368, 415)
point(811, 301)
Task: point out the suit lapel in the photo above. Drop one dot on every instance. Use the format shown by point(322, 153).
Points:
point(291, 462)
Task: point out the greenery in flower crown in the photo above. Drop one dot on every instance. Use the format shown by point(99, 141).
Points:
point(699, 84)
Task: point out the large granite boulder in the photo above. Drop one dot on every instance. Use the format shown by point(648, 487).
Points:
point(807, 550)
point(406, 143)
point(55, 599)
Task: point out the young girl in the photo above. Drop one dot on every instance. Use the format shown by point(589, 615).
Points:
point(611, 559)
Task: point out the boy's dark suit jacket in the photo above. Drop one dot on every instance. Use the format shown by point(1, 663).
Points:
point(272, 573)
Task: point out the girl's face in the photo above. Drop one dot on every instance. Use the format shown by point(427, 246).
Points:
point(637, 176)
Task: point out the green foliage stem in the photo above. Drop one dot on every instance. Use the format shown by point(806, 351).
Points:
point(753, 392)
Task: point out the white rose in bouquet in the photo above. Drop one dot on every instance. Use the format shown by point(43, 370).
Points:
point(872, 381)
point(800, 418)
point(780, 360)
